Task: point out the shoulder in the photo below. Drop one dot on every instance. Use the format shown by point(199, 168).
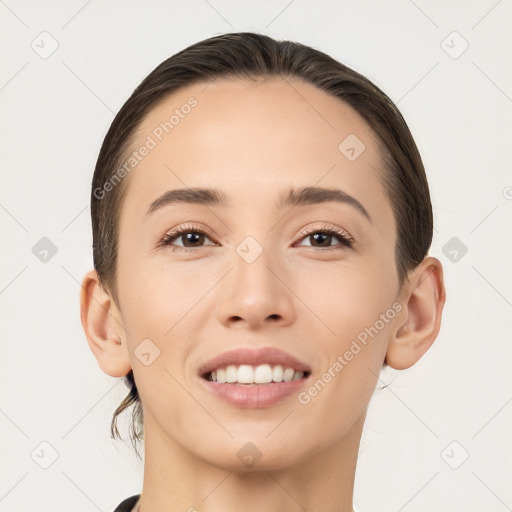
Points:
point(127, 504)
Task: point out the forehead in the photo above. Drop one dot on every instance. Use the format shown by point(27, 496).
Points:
point(251, 140)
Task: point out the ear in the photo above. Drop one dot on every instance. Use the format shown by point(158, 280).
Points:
point(423, 298)
point(102, 325)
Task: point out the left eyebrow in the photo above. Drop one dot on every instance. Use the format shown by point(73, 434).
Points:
point(294, 197)
point(315, 195)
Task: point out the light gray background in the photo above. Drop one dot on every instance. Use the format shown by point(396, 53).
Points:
point(55, 111)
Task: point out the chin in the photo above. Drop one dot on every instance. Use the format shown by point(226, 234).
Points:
point(252, 454)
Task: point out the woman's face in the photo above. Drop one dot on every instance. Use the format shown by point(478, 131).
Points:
point(265, 276)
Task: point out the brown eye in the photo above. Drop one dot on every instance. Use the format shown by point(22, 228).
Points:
point(191, 238)
point(322, 238)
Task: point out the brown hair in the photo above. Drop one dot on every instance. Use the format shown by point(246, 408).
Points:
point(246, 55)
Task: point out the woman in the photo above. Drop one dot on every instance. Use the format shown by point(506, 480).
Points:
point(261, 226)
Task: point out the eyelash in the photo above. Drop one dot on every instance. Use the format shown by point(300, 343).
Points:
point(345, 239)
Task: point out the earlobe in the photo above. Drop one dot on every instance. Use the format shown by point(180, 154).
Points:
point(103, 328)
point(423, 299)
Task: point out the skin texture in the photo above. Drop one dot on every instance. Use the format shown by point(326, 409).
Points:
point(255, 141)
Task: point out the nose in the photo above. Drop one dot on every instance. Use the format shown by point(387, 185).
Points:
point(255, 294)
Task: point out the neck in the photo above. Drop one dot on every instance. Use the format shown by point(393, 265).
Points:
point(176, 480)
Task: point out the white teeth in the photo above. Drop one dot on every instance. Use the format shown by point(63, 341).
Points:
point(288, 374)
point(245, 374)
point(231, 373)
point(277, 373)
point(262, 374)
point(221, 375)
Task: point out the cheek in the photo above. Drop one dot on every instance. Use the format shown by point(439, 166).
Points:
point(156, 293)
point(365, 322)
point(339, 393)
point(347, 298)
point(161, 321)
point(359, 308)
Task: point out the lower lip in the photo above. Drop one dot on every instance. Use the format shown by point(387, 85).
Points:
point(254, 396)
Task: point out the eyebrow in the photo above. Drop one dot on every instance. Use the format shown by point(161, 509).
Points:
point(294, 197)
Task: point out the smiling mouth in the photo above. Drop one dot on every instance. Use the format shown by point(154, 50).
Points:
point(250, 375)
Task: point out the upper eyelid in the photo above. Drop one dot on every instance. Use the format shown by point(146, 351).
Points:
point(336, 229)
point(179, 231)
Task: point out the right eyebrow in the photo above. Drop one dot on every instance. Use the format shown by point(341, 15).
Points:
point(201, 196)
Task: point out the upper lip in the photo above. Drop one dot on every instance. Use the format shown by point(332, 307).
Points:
point(268, 355)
